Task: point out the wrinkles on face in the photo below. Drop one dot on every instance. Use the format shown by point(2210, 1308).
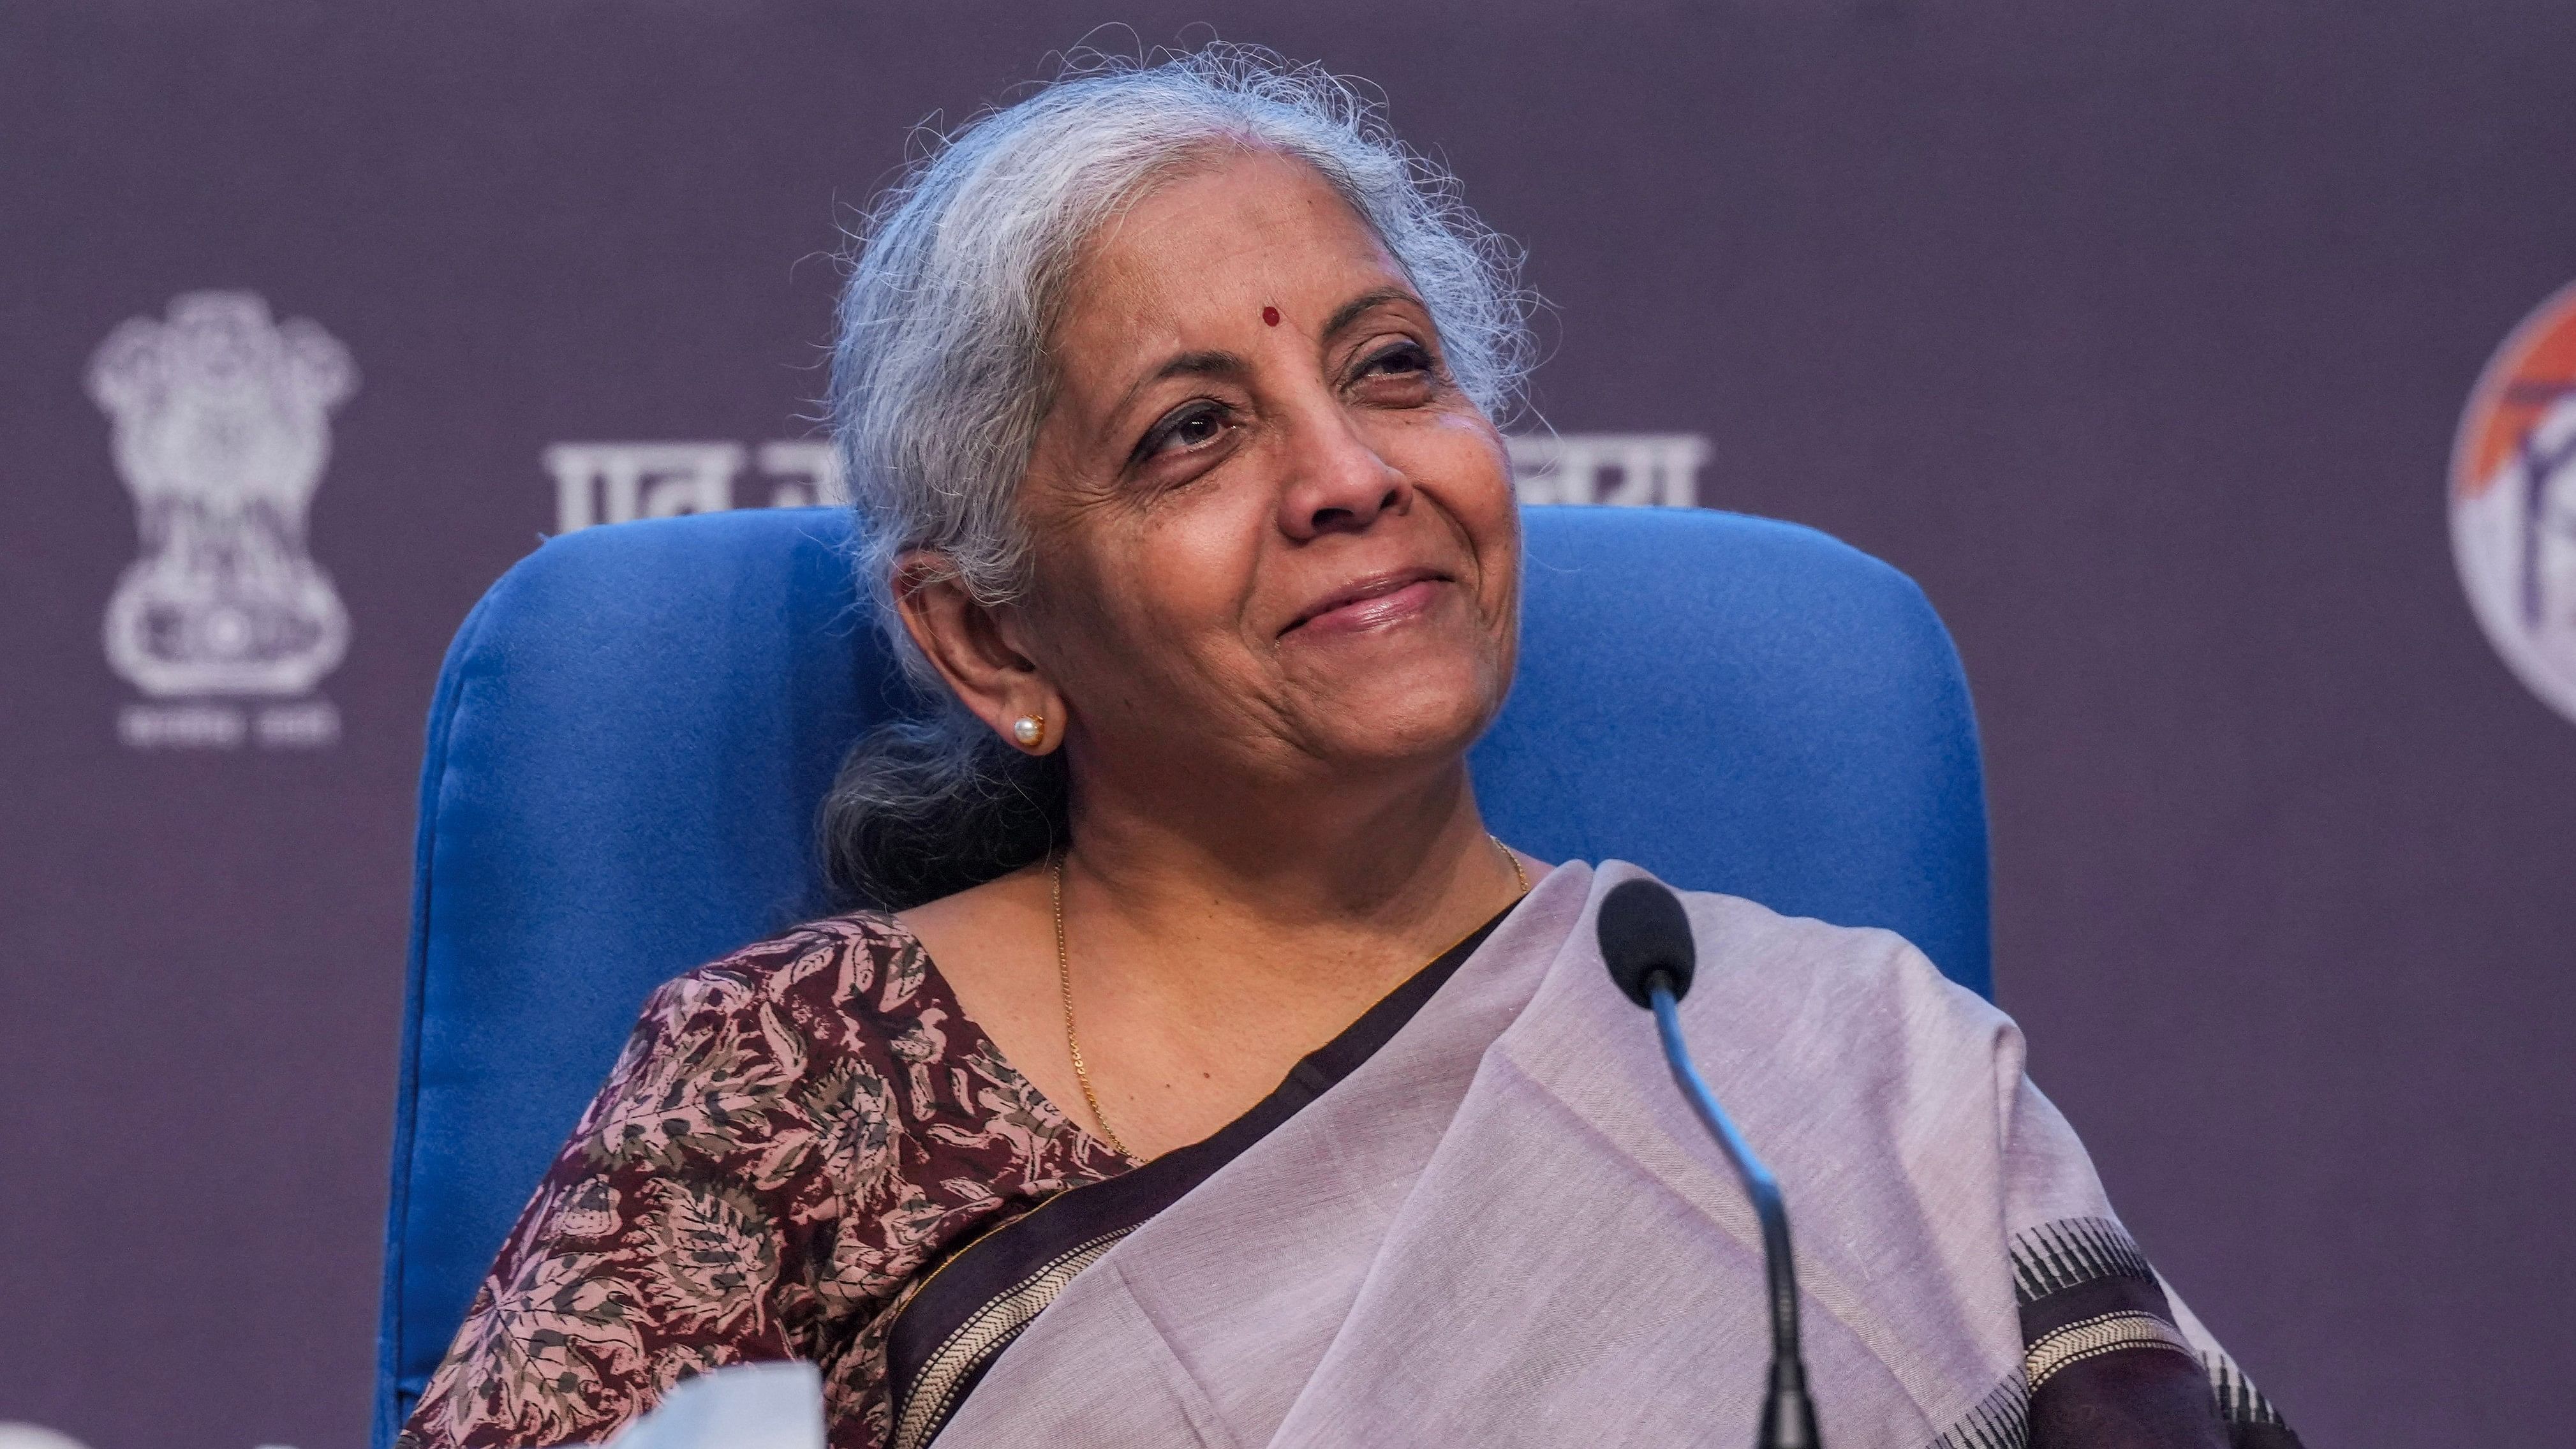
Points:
point(1206, 478)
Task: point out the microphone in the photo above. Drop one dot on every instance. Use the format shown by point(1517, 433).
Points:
point(1646, 939)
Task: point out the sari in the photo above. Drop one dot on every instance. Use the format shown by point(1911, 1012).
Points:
point(977, 1302)
point(1502, 1226)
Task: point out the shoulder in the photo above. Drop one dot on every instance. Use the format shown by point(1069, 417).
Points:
point(804, 1026)
point(1850, 1036)
point(1857, 994)
point(864, 965)
point(1809, 956)
point(853, 989)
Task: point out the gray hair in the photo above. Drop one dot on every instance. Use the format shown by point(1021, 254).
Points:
point(941, 379)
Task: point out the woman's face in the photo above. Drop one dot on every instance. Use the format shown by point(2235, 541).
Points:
point(1270, 529)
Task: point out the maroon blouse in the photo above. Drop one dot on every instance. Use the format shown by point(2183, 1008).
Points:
point(791, 1135)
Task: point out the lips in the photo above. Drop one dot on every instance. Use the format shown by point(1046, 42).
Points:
point(1370, 602)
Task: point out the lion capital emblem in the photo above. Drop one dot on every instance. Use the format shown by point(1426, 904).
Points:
point(222, 426)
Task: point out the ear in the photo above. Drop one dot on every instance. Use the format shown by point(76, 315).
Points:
point(976, 650)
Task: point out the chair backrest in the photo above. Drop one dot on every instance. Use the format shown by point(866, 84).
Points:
point(633, 728)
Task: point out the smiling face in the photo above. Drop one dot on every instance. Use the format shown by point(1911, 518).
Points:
point(1273, 538)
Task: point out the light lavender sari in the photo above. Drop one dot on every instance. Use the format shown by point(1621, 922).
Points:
point(1505, 1228)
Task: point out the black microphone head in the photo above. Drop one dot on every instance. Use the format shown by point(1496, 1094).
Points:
point(1645, 930)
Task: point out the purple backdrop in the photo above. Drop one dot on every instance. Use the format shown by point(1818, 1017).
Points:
point(2136, 332)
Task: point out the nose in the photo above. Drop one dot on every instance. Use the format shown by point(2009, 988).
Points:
point(1337, 482)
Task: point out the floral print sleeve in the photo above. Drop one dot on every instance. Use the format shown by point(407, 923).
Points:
point(790, 1139)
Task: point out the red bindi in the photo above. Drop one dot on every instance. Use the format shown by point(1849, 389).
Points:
point(1269, 316)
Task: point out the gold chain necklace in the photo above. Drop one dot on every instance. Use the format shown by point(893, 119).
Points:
point(1064, 984)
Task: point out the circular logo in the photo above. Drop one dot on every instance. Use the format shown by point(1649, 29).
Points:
point(2513, 501)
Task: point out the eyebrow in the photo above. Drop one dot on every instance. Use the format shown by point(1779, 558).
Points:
point(1365, 303)
point(1187, 364)
point(1200, 364)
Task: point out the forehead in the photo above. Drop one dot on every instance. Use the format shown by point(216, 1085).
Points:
point(1205, 250)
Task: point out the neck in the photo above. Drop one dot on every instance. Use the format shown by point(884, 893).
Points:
point(1292, 882)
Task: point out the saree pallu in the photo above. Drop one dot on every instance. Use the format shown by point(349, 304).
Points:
point(969, 1309)
point(1503, 1227)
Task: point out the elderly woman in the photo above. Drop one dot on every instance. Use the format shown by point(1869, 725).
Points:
point(1196, 1042)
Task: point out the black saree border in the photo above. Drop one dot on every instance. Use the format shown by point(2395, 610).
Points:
point(975, 1302)
point(2106, 1365)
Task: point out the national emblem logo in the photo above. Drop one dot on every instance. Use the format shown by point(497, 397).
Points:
point(221, 430)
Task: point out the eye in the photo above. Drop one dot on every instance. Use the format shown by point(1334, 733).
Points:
point(1400, 359)
point(1191, 425)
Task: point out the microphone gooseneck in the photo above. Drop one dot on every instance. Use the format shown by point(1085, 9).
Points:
point(1646, 942)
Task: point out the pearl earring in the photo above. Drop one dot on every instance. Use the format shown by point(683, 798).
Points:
point(1029, 730)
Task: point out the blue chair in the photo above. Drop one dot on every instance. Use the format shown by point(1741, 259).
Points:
point(633, 728)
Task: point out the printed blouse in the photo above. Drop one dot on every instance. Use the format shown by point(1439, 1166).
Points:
point(789, 1139)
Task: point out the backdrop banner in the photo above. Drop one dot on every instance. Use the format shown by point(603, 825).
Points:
point(2207, 363)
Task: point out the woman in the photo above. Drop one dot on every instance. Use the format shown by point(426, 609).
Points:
point(1168, 398)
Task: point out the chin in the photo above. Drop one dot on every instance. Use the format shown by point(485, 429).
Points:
point(1417, 717)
